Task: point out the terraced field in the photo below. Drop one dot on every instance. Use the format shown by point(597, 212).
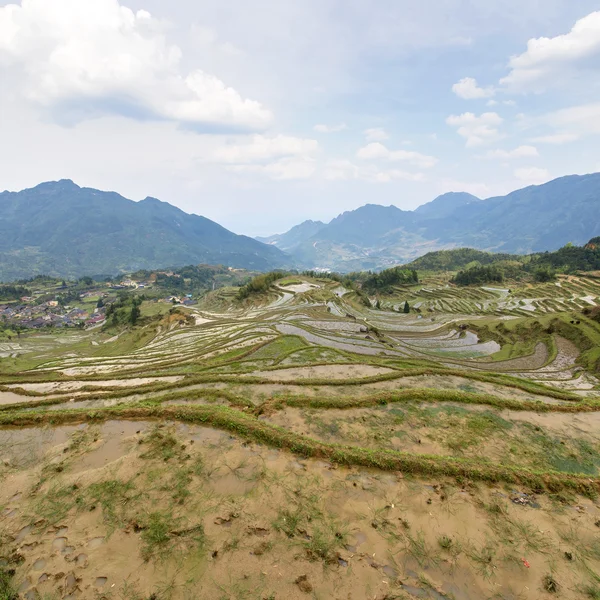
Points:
point(301, 445)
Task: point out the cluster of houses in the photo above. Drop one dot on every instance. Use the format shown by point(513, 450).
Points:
point(186, 300)
point(29, 315)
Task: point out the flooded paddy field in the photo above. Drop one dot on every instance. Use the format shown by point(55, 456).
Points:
point(305, 446)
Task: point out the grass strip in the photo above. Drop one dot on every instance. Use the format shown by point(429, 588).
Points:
point(249, 427)
point(427, 395)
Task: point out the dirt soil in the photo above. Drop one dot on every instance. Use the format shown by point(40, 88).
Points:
point(113, 511)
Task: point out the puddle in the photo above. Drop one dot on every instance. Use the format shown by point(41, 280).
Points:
point(420, 593)
point(359, 538)
point(29, 445)
point(71, 583)
point(59, 543)
point(231, 484)
point(39, 564)
point(81, 559)
point(347, 343)
point(95, 542)
point(12, 398)
point(43, 577)
point(113, 434)
point(390, 572)
point(22, 534)
point(100, 581)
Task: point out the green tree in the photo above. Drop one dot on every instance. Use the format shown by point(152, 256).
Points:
point(544, 274)
point(406, 307)
point(100, 303)
point(134, 315)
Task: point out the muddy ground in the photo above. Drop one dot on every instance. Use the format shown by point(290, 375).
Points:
point(131, 509)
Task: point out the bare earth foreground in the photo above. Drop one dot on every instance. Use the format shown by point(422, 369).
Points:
point(304, 446)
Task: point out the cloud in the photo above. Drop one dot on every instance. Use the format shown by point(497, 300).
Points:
point(582, 120)
point(548, 62)
point(281, 170)
point(330, 128)
point(532, 175)
point(376, 134)
point(520, 152)
point(80, 59)
point(279, 157)
point(261, 148)
point(477, 130)
point(344, 170)
point(556, 138)
point(377, 151)
point(468, 89)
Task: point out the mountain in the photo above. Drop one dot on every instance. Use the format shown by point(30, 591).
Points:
point(61, 229)
point(533, 219)
point(445, 204)
point(296, 235)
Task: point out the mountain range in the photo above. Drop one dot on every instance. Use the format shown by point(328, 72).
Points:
point(533, 219)
point(61, 229)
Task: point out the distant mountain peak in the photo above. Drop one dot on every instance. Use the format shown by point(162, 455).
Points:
point(57, 186)
point(295, 236)
point(445, 204)
point(528, 220)
point(61, 229)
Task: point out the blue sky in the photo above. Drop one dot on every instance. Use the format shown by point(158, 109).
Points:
point(260, 114)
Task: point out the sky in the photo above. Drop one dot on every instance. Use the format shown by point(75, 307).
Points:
point(260, 114)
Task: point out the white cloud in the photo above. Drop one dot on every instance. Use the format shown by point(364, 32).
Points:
point(261, 148)
point(468, 89)
point(330, 128)
point(376, 134)
point(477, 130)
point(520, 152)
point(377, 151)
point(281, 170)
point(395, 175)
point(550, 61)
point(582, 120)
point(340, 170)
point(344, 170)
point(556, 138)
point(80, 59)
point(279, 157)
point(532, 175)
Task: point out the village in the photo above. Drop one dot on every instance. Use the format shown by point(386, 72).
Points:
point(77, 305)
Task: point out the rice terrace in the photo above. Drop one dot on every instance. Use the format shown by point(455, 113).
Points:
point(303, 438)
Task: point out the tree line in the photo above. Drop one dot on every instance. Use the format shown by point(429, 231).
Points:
point(386, 280)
